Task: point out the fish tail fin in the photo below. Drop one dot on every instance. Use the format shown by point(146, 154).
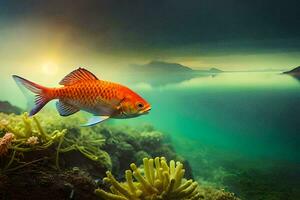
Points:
point(41, 94)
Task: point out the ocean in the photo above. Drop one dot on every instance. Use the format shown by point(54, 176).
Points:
point(238, 130)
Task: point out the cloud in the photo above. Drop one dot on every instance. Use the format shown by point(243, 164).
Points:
point(235, 80)
point(114, 33)
point(155, 26)
point(143, 86)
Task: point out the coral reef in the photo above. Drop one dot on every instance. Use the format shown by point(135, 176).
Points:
point(63, 144)
point(159, 181)
point(45, 152)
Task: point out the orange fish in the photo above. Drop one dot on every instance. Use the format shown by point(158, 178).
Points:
point(82, 90)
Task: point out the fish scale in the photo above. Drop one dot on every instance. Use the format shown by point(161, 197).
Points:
point(85, 92)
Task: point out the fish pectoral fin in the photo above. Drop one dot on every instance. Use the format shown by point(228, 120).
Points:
point(95, 120)
point(65, 109)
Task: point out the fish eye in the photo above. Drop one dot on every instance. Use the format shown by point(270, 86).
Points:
point(140, 105)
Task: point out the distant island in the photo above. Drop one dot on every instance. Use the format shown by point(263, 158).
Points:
point(211, 70)
point(166, 67)
point(158, 73)
point(294, 72)
point(6, 107)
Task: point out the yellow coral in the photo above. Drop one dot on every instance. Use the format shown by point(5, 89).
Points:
point(158, 181)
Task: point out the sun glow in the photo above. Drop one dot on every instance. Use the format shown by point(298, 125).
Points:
point(49, 68)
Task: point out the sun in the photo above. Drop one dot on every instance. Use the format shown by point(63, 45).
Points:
point(49, 68)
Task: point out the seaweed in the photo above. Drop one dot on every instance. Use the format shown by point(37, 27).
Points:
point(28, 135)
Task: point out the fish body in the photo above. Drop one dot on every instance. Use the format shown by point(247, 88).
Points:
point(82, 90)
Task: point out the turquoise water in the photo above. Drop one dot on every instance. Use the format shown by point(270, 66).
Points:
point(238, 130)
point(252, 114)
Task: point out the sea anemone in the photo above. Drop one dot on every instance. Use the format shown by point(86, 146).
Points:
point(5, 142)
point(158, 181)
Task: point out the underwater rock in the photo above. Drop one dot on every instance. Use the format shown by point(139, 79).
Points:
point(95, 168)
point(278, 182)
point(125, 144)
point(140, 155)
point(150, 140)
point(6, 107)
point(211, 193)
point(36, 183)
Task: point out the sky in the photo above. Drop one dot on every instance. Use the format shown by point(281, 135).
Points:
point(53, 37)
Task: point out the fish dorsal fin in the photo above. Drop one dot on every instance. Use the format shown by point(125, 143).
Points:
point(76, 76)
point(65, 109)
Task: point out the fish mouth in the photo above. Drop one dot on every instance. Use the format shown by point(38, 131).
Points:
point(146, 111)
